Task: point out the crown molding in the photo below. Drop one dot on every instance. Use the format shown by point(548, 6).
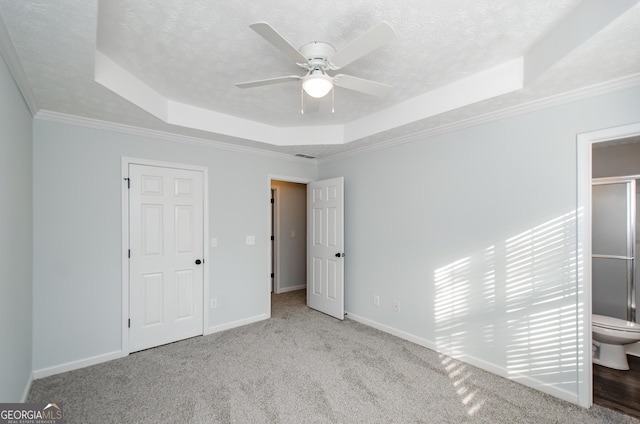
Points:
point(47, 115)
point(544, 103)
point(8, 52)
point(532, 106)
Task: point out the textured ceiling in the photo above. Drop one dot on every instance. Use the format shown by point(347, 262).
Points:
point(193, 52)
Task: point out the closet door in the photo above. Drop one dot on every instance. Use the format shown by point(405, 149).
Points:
point(166, 256)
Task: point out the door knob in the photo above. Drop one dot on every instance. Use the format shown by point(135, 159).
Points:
point(198, 261)
point(339, 255)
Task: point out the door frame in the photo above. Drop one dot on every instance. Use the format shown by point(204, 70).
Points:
point(584, 143)
point(270, 179)
point(126, 161)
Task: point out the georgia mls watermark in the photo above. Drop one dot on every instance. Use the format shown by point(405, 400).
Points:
point(31, 413)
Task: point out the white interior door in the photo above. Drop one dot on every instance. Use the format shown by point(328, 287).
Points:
point(166, 255)
point(325, 246)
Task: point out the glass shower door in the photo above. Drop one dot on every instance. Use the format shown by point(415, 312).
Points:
point(613, 247)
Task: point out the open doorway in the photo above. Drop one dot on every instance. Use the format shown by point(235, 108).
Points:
point(615, 172)
point(288, 236)
point(286, 256)
point(324, 245)
point(586, 143)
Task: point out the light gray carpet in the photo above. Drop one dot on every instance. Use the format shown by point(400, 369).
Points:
point(300, 367)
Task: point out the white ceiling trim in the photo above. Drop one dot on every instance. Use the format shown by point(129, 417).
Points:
point(586, 20)
point(580, 25)
point(112, 76)
point(117, 79)
point(520, 109)
point(575, 95)
point(484, 85)
point(51, 116)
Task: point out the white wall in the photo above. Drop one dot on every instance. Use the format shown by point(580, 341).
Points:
point(292, 250)
point(474, 233)
point(16, 242)
point(77, 243)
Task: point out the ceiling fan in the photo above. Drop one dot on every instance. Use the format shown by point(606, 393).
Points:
point(317, 58)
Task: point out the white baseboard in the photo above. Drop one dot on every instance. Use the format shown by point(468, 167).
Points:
point(471, 360)
point(394, 331)
point(292, 288)
point(234, 324)
point(74, 365)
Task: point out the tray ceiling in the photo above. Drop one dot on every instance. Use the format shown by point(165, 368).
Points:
point(171, 66)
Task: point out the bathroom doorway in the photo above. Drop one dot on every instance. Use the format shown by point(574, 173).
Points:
point(615, 172)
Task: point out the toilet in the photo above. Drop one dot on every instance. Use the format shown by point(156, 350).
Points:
point(610, 335)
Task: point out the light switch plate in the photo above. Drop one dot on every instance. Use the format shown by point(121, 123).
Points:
point(251, 240)
point(214, 242)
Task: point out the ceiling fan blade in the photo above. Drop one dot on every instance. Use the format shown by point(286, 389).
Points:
point(376, 37)
point(362, 85)
point(271, 35)
point(269, 81)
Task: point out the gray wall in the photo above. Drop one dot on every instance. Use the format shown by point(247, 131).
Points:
point(292, 251)
point(474, 233)
point(77, 228)
point(16, 243)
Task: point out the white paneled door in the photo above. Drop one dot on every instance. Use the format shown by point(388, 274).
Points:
point(166, 255)
point(325, 239)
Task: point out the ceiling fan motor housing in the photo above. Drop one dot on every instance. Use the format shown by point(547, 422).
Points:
point(318, 54)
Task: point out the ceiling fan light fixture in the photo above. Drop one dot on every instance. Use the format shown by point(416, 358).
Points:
point(317, 84)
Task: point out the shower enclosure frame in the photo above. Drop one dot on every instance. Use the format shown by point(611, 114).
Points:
point(630, 257)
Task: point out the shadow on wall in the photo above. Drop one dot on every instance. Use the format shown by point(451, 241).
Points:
point(515, 300)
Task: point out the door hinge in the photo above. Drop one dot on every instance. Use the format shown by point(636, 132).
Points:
point(128, 180)
point(273, 238)
point(273, 275)
point(273, 200)
point(129, 323)
point(129, 253)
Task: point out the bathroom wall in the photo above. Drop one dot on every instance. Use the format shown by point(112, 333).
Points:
point(616, 159)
